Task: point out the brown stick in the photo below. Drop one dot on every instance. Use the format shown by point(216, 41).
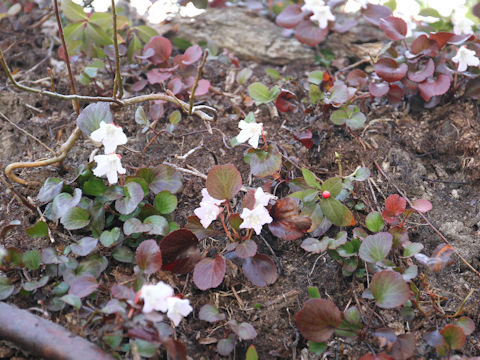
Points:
point(44, 338)
point(426, 220)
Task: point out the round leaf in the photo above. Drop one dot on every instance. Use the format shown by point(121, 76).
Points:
point(224, 181)
point(89, 119)
point(84, 247)
point(453, 336)
point(318, 319)
point(180, 251)
point(149, 257)
point(336, 212)
point(130, 201)
point(395, 28)
point(290, 16)
point(165, 202)
point(422, 205)
point(374, 221)
point(75, 218)
point(389, 289)
point(209, 272)
point(260, 270)
point(389, 70)
point(376, 247)
point(210, 313)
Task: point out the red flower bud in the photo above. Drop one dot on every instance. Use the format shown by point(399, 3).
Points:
point(326, 194)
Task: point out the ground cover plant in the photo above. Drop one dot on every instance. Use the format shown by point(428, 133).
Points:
point(194, 198)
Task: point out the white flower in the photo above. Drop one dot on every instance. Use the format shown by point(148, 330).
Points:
point(312, 5)
point(323, 14)
point(363, 3)
point(255, 219)
point(155, 297)
point(110, 136)
point(109, 165)
point(177, 309)
point(465, 58)
point(262, 198)
point(249, 131)
point(206, 198)
point(207, 213)
point(462, 24)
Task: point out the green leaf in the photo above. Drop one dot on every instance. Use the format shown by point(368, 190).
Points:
point(389, 289)
point(109, 237)
point(336, 212)
point(75, 218)
point(102, 19)
point(89, 119)
point(251, 353)
point(374, 221)
point(146, 32)
point(145, 348)
point(32, 259)
point(314, 93)
point(175, 117)
point(243, 75)
point(430, 12)
point(261, 94)
point(454, 336)
point(310, 178)
point(317, 347)
point(140, 116)
point(223, 182)
point(124, 254)
point(134, 46)
point(376, 247)
point(6, 289)
point(333, 186)
point(73, 12)
point(181, 43)
point(98, 35)
point(40, 229)
point(160, 225)
point(315, 77)
point(94, 187)
point(72, 300)
point(264, 163)
point(273, 73)
point(165, 202)
point(313, 292)
point(34, 285)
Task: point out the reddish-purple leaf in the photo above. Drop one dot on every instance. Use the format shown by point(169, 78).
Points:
point(460, 39)
point(374, 13)
point(209, 272)
point(395, 28)
point(287, 222)
point(395, 94)
point(357, 78)
point(139, 85)
point(307, 32)
point(434, 338)
point(157, 76)
point(404, 347)
point(224, 181)
point(193, 224)
point(179, 251)
point(210, 313)
point(389, 70)
point(305, 137)
point(84, 247)
point(162, 48)
point(424, 71)
point(149, 257)
point(175, 348)
point(244, 330)
point(394, 206)
point(122, 292)
point(202, 88)
point(344, 26)
point(453, 336)
point(156, 111)
point(246, 249)
point(82, 285)
point(433, 87)
point(249, 199)
point(378, 89)
point(264, 162)
point(318, 319)
point(422, 45)
point(192, 55)
point(422, 205)
point(260, 270)
point(440, 259)
point(441, 38)
point(389, 289)
point(176, 85)
point(290, 16)
point(476, 10)
point(472, 89)
point(283, 103)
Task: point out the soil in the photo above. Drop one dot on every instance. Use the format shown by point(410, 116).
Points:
point(432, 154)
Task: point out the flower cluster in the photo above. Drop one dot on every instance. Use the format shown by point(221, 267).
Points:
point(109, 165)
point(209, 209)
point(259, 216)
point(321, 12)
point(160, 297)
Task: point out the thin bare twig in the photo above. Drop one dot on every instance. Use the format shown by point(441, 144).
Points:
point(117, 84)
point(197, 79)
point(426, 220)
point(67, 59)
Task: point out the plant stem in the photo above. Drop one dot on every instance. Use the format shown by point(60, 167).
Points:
point(197, 79)
point(117, 83)
point(222, 219)
point(67, 59)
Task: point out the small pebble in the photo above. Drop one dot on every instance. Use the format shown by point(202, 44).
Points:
point(455, 194)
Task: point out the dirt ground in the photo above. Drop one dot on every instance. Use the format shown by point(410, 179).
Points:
point(432, 154)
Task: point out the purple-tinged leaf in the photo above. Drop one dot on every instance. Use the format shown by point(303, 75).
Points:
point(82, 286)
point(210, 313)
point(264, 163)
point(84, 247)
point(314, 245)
point(260, 270)
point(161, 178)
point(156, 76)
point(386, 333)
point(149, 257)
point(422, 205)
point(412, 249)
point(394, 206)
point(404, 347)
point(246, 249)
point(130, 201)
point(180, 251)
point(224, 181)
point(389, 70)
point(162, 48)
point(192, 55)
point(6, 288)
point(434, 338)
point(122, 292)
point(309, 33)
point(290, 17)
point(357, 78)
point(226, 346)
point(318, 319)
point(287, 223)
point(139, 85)
point(244, 330)
point(283, 103)
point(395, 28)
point(203, 87)
point(424, 72)
point(305, 137)
point(376, 247)
point(378, 89)
point(395, 94)
point(36, 284)
point(441, 38)
point(374, 13)
point(89, 119)
point(114, 307)
point(193, 224)
point(432, 87)
point(466, 324)
point(422, 45)
point(51, 188)
point(389, 289)
point(209, 272)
